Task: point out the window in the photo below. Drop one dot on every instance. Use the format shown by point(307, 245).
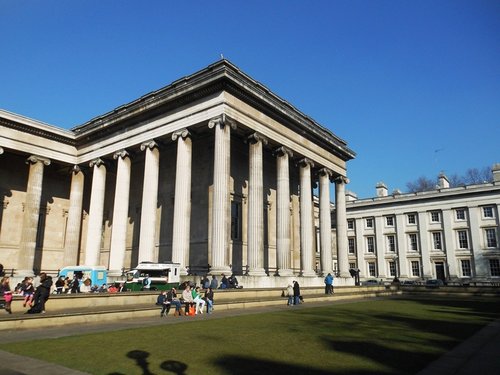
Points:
point(391, 243)
point(466, 270)
point(235, 220)
point(371, 269)
point(495, 267)
point(436, 240)
point(460, 214)
point(351, 243)
point(488, 212)
point(415, 268)
point(369, 222)
point(392, 268)
point(350, 224)
point(352, 265)
point(463, 242)
point(412, 219)
point(389, 221)
point(435, 216)
point(413, 241)
point(491, 237)
point(370, 244)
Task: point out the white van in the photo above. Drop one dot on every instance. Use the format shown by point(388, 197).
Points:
point(163, 276)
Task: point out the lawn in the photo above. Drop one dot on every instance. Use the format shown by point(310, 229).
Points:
point(372, 337)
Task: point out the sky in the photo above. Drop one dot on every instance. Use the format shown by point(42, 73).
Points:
point(413, 87)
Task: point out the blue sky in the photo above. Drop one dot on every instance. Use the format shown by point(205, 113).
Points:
point(412, 86)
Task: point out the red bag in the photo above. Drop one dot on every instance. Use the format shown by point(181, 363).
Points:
point(191, 310)
point(7, 296)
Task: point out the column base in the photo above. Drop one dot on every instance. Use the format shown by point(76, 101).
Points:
point(257, 272)
point(309, 273)
point(345, 275)
point(284, 272)
point(23, 273)
point(220, 270)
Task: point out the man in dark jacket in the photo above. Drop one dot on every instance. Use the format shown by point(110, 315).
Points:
point(41, 294)
point(296, 293)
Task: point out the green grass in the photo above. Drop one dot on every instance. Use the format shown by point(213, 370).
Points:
point(372, 337)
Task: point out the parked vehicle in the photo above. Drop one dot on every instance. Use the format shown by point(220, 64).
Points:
point(97, 274)
point(370, 282)
point(163, 276)
point(434, 283)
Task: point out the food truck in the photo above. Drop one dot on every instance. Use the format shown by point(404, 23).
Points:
point(163, 276)
point(98, 274)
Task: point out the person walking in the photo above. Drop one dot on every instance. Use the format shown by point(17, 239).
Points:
point(289, 293)
point(329, 284)
point(296, 293)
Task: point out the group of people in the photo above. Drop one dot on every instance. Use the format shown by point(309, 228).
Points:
point(34, 298)
point(230, 282)
point(293, 294)
point(191, 298)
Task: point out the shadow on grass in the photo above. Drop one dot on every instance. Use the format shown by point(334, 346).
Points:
point(140, 357)
point(239, 365)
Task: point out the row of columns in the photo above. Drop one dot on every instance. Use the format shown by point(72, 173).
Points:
point(182, 209)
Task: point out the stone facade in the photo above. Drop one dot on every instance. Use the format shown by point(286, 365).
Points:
point(213, 171)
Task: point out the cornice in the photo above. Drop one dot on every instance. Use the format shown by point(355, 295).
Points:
point(44, 133)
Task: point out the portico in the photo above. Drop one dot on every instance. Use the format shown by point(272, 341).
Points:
point(213, 171)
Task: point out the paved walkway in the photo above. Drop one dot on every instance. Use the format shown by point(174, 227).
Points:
point(478, 355)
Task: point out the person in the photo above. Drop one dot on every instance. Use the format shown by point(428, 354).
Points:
point(200, 302)
point(6, 293)
point(209, 298)
point(75, 285)
point(187, 297)
point(27, 289)
point(232, 281)
point(146, 283)
point(2, 272)
point(172, 297)
point(214, 283)
point(289, 293)
point(223, 282)
point(205, 282)
point(164, 303)
point(42, 294)
point(113, 288)
point(329, 284)
point(296, 293)
point(86, 286)
point(59, 285)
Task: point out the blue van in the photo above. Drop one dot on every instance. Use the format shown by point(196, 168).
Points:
point(98, 274)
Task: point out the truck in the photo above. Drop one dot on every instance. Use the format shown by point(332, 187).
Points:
point(98, 274)
point(163, 276)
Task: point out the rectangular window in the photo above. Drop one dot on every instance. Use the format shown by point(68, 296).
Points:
point(488, 212)
point(350, 224)
point(391, 243)
point(466, 270)
point(463, 242)
point(460, 214)
point(491, 237)
point(413, 241)
point(352, 265)
point(392, 268)
point(389, 221)
point(415, 268)
point(369, 222)
point(235, 220)
point(412, 219)
point(435, 216)
point(351, 243)
point(370, 244)
point(495, 267)
point(371, 269)
point(436, 240)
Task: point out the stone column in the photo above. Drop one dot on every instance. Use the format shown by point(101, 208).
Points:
point(255, 251)
point(96, 213)
point(325, 221)
point(120, 213)
point(27, 247)
point(182, 204)
point(147, 235)
point(306, 218)
point(74, 223)
point(342, 258)
point(221, 195)
point(283, 211)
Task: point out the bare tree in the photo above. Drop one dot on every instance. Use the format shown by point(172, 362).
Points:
point(478, 176)
point(421, 184)
point(472, 176)
point(456, 180)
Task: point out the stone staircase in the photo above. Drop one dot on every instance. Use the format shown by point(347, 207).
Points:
point(82, 308)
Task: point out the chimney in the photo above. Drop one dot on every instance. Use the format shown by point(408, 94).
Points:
point(350, 196)
point(496, 172)
point(443, 182)
point(381, 189)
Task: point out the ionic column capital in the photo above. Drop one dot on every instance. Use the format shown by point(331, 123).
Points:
point(183, 133)
point(341, 180)
point(97, 162)
point(257, 137)
point(282, 151)
point(305, 162)
point(75, 169)
point(221, 121)
point(33, 159)
point(121, 154)
point(149, 144)
point(325, 172)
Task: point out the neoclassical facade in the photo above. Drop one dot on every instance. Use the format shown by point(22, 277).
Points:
point(213, 171)
point(447, 233)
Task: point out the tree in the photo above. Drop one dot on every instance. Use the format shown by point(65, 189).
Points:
point(421, 184)
point(478, 176)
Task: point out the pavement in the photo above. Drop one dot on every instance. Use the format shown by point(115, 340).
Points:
point(480, 354)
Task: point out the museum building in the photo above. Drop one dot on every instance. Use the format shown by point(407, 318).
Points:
point(213, 171)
